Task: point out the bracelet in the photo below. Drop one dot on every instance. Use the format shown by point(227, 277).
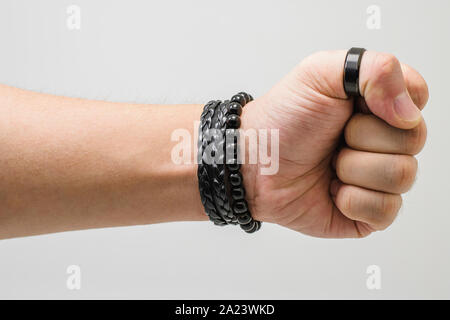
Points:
point(218, 168)
point(220, 181)
point(203, 175)
point(234, 180)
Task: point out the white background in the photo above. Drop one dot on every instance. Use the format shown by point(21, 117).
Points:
point(191, 51)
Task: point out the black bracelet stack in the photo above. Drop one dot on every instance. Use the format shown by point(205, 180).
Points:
point(220, 181)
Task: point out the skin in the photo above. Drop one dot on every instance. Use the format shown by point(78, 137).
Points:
point(69, 164)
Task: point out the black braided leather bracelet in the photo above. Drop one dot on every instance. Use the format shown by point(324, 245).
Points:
point(220, 181)
point(218, 169)
point(204, 181)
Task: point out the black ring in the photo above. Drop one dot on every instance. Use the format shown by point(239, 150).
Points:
point(351, 71)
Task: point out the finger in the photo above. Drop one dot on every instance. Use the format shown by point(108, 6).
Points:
point(416, 85)
point(377, 209)
point(377, 171)
point(383, 87)
point(381, 83)
point(369, 133)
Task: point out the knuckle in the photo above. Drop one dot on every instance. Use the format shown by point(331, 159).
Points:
point(381, 69)
point(402, 173)
point(419, 90)
point(420, 95)
point(414, 139)
point(386, 64)
point(423, 94)
point(389, 205)
point(347, 202)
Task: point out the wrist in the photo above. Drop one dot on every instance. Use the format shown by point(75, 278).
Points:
point(248, 147)
point(167, 167)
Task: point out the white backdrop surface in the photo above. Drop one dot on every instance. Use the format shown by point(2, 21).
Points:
point(190, 51)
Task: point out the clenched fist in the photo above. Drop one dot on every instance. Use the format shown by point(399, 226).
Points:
point(344, 163)
point(70, 164)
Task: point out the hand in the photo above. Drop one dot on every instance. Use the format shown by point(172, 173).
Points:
point(326, 187)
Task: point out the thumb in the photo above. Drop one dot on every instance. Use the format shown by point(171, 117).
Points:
point(384, 90)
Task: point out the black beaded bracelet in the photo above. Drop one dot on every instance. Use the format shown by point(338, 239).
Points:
point(220, 181)
point(234, 180)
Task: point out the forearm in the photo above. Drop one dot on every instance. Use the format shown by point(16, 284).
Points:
point(69, 164)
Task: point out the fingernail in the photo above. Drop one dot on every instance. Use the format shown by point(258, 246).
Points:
point(334, 187)
point(406, 109)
